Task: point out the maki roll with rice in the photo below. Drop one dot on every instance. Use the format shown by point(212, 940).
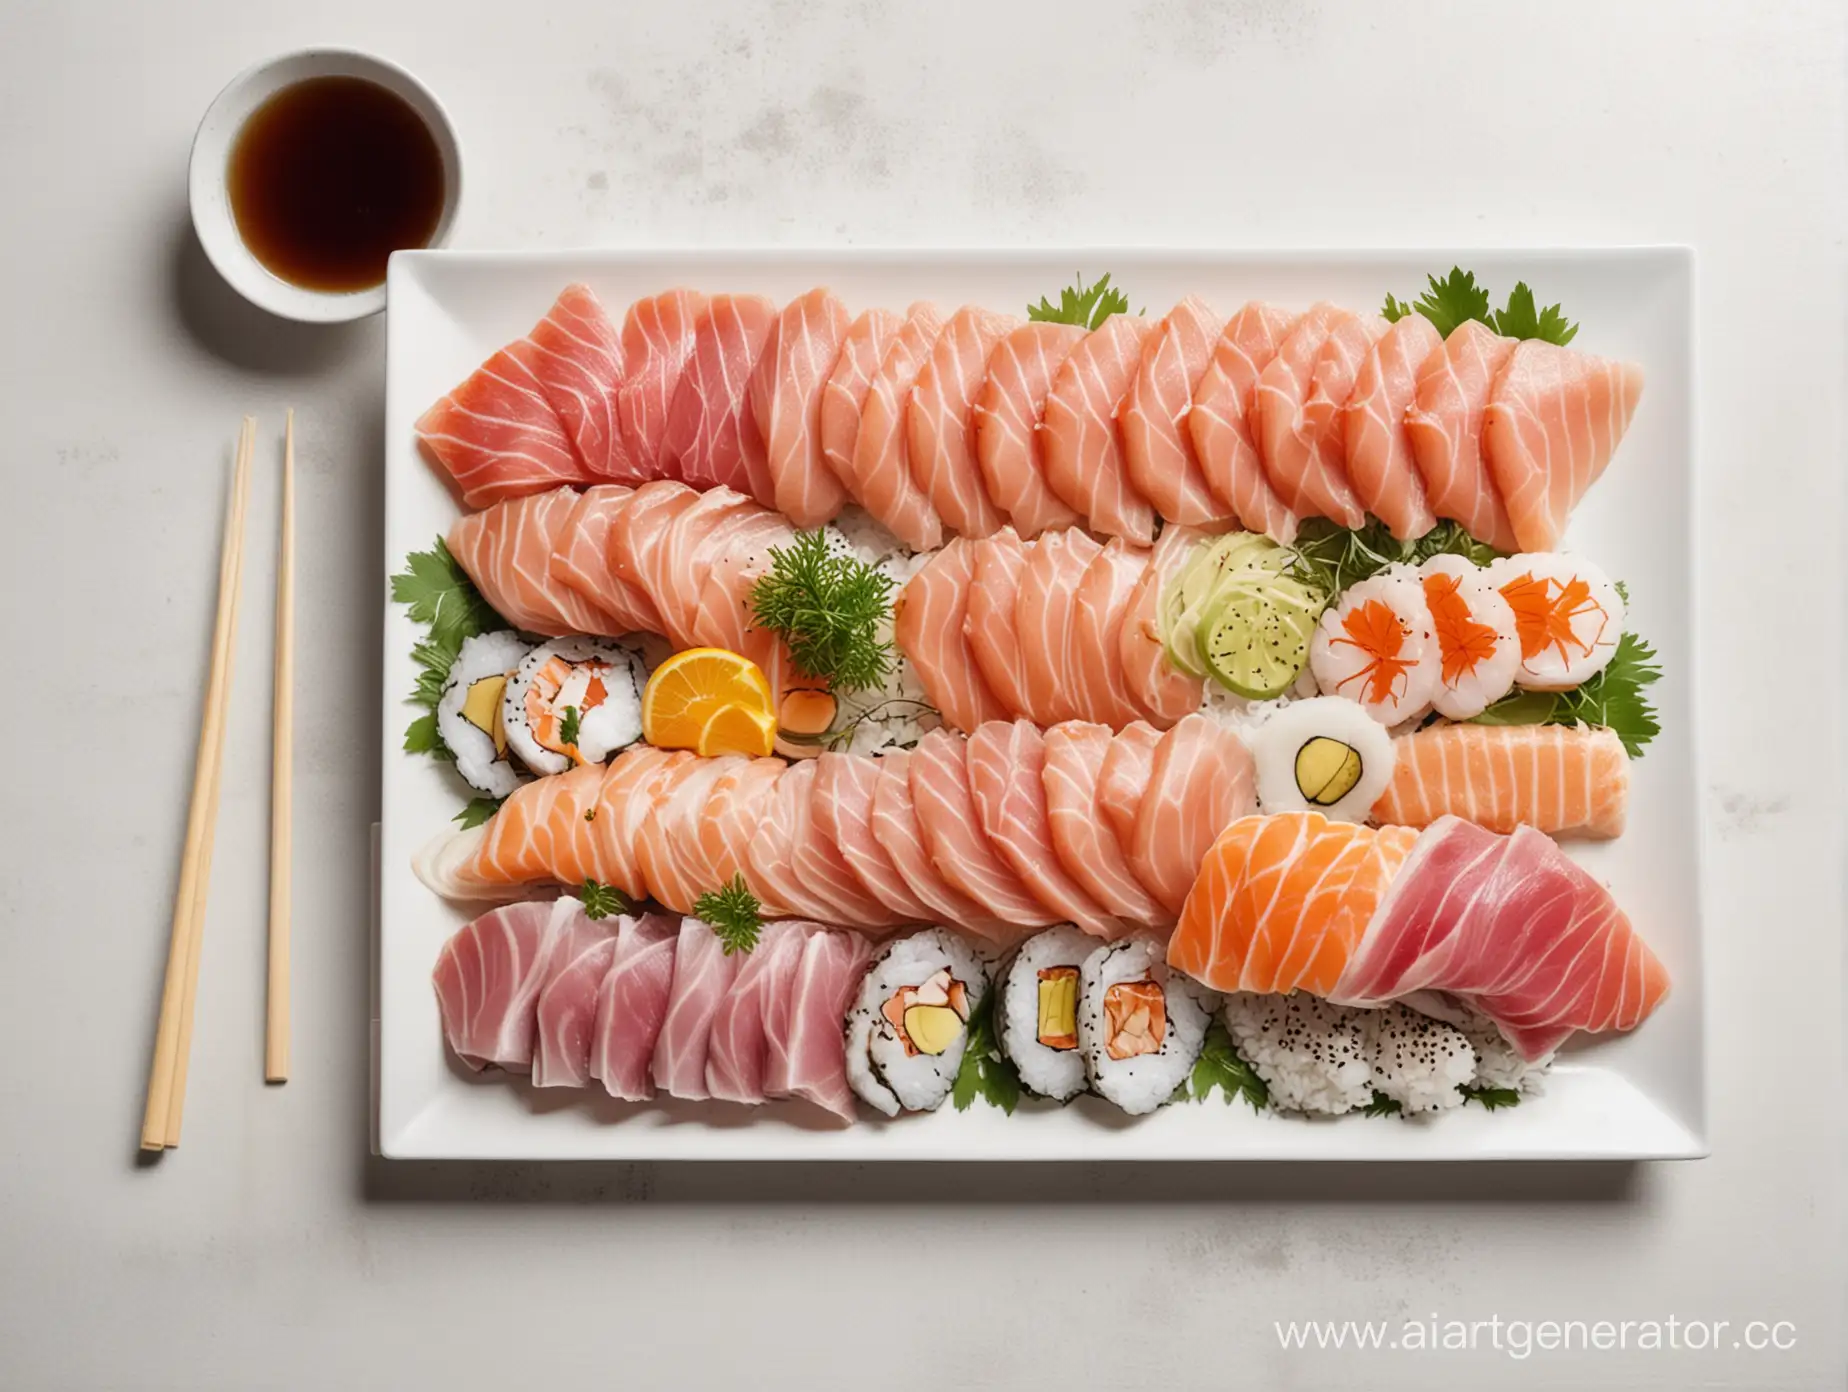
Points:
point(907, 1027)
point(1037, 1015)
point(1325, 755)
point(469, 711)
point(1140, 1024)
point(573, 701)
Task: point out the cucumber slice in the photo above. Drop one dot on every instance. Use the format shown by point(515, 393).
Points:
point(1258, 641)
point(1195, 589)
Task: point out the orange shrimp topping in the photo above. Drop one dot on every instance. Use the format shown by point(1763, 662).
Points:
point(1546, 614)
point(1462, 642)
point(1377, 632)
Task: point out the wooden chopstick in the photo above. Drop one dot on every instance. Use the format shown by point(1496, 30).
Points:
point(160, 1123)
point(282, 778)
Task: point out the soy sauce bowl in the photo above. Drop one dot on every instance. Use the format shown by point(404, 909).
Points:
point(209, 184)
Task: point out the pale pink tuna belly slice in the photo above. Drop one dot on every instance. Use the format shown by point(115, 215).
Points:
point(896, 828)
point(881, 466)
point(843, 398)
point(581, 560)
point(1082, 836)
point(496, 436)
point(507, 552)
point(953, 835)
point(1046, 621)
point(940, 441)
point(929, 629)
point(1000, 561)
point(631, 1005)
point(1221, 426)
point(739, 1048)
point(841, 807)
point(809, 1060)
point(1100, 609)
point(1007, 762)
point(1445, 426)
point(703, 973)
point(1157, 444)
point(657, 340)
point(786, 391)
point(1161, 690)
point(1008, 417)
point(1201, 780)
point(575, 354)
point(712, 436)
point(1380, 466)
point(567, 1016)
point(1553, 420)
point(1084, 459)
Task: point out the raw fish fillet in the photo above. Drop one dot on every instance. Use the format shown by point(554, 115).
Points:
point(675, 563)
point(1045, 623)
point(497, 436)
point(1201, 780)
point(827, 875)
point(703, 973)
point(954, 838)
point(567, 1016)
point(1160, 689)
point(882, 480)
point(712, 436)
point(1122, 779)
point(631, 1005)
point(1295, 408)
point(1157, 443)
point(575, 355)
point(1083, 447)
point(1008, 416)
point(1220, 423)
point(841, 808)
point(627, 795)
point(844, 396)
point(809, 1060)
point(991, 623)
point(581, 561)
point(667, 849)
point(1445, 426)
point(507, 551)
point(1379, 450)
point(725, 617)
point(896, 829)
point(1081, 835)
point(547, 836)
point(739, 801)
point(1100, 609)
point(928, 628)
point(657, 340)
point(1560, 779)
point(738, 1048)
point(1553, 420)
point(786, 392)
point(939, 433)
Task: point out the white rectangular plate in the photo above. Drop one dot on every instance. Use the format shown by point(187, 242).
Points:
point(1643, 1096)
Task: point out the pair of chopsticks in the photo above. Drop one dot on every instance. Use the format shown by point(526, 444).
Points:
point(166, 1102)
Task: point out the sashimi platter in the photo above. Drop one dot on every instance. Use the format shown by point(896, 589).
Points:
point(1093, 705)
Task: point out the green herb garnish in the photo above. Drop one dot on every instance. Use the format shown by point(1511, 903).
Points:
point(1085, 306)
point(1382, 1105)
point(440, 596)
point(479, 809)
point(1220, 1066)
point(1490, 1097)
point(1448, 304)
point(985, 1071)
point(1613, 700)
point(568, 727)
point(831, 608)
point(733, 913)
point(1332, 557)
point(601, 900)
point(1522, 320)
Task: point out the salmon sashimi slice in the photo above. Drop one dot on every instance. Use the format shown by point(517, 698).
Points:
point(1445, 427)
point(711, 435)
point(534, 835)
point(786, 392)
point(1099, 610)
point(641, 528)
point(1201, 780)
point(953, 835)
point(507, 552)
point(1560, 779)
point(581, 560)
point(829, 875)
point(843, 396)
point(1220, 422)
point(770, 869)
point(623, 798)
point(1083, 447)
point(1157, 441)
point(881, 479)
point(1009, 412)
point(1379, 451)
point(895, 827)
point(1296, 404)
point(1123, 778)
point(1082, 836)
point(928, 628)
point(496, 436)
point(682, 557)
point(667, 840)
point(993, 638)
point(1325, 481)
point(657, 340)
point(1159, 689)
point(938, 427)
point(738, 802)
point(725, 617)
point(1283, 385)
point(1045, 623)
point(575, 354)
point(1553, 420)
point(1007, 766)
point(841, 806)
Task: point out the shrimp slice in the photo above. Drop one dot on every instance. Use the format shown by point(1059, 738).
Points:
point(1376, 646)
point(1567, 614)
point(1477, 647)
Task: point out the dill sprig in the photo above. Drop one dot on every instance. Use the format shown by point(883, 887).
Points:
point(831, 609)
point(733, 913)
point(601, 900)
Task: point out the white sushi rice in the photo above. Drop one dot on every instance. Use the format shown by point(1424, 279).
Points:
point(1498, 1063)
point(603, 728)
point(1311, 1055)
point(485, 655)
point(1143, 1082)
point(1416, 1060)
point(1044, 1070)
point(879, 1070)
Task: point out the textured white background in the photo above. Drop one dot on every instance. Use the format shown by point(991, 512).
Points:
point(270, 1252)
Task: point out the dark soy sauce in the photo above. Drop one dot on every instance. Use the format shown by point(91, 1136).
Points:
point(329, 177)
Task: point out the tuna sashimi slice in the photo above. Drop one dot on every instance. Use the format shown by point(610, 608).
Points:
point(1161, 690)
point(567, 1015)
point(1157, 443)
point(1379, 451)
point(786, 391)
point(809, 1061)
point(1553, 420)
point(1008, 416)
point(507, 552)
point(703, 973)
point(631, 1005)
point(939, 435)
point(929, 629)
point(712, 436)
point(1445, 427)
point(1220, 423)
point(881, 472)
point(1045, 622)
point(657, 340)
point(576, 356)
point(953, 835)
point(1084, 458)
point(496, 436)
point(739, 1048)
point(1201, 780)
point(844, 397)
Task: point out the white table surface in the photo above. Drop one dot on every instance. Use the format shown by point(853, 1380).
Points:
point(270, 1251)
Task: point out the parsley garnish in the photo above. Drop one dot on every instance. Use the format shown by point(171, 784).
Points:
point(831, 609)
point(1490, 1097)
point(1448, 304)
point(733, 913)
point(1220, 1066)
point(1612, 700)
point(1331, 557)
point(1522, 320)
point(440, 596)
point(601, 900)
point(479, 809)
point(1087, 307)
point(568, 727)
point(1382, 1105)
point(984, 1070)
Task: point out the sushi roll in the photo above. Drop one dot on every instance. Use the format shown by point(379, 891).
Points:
point(1376, 647)
point(908, 1024)
point(469, 712)
point(584, 688)
point(1478, 649)
point(1037, 1015)
point(1325, 755)
point(1140, 1025)
point(1568, 616)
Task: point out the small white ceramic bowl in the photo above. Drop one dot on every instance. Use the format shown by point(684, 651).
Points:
point(211, 154)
